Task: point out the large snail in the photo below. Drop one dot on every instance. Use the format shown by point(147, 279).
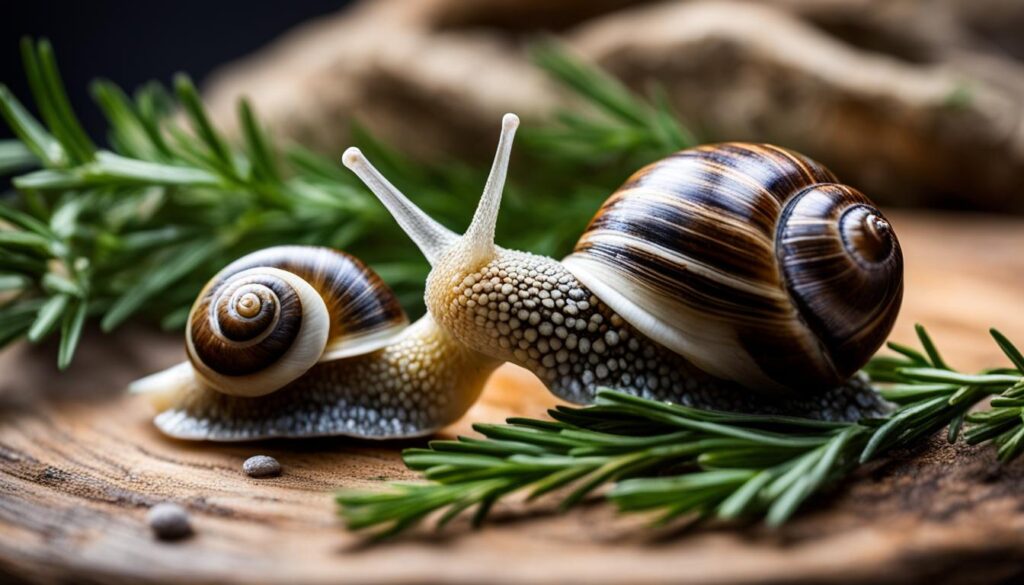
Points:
point(732, 276)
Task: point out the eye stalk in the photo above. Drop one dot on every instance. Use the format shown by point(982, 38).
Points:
point(431, 237)
point(479, 238)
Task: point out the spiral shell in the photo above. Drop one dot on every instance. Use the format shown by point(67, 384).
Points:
point(267, 318)
point(750, 261)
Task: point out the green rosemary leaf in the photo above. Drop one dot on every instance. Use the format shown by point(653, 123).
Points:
point(13, 326)
point(48, 317)
point(910, 353)
point(75, 136)
point(125, 171)
point(955, 427)
point(785, 506)
point(29, 265)
point(126, 130)
point(904, 393)
point(190, 100)
point(178, 262)
point(1011, 448)
point(929, 347)
point(950, 377)
point(12, 282)
point(454, 510)
point(56, 284)
point(490, 447)
point(49, 179)
point(526, 435)
point(1011, 351)
point(259, 152)
point(791, 472)
point(1001, 402)
point(745, 457)
point(647, 493)
point(740, 501)
point(990, 430)
point(71, 332)
point(559, 479)
point(543, 425)
point(425, 458)
point(610, 470)
point(897, 423)
point(24, 241)
point(31, 133)
point(152, 105)
point(963, 394)
point(15, 156)
point(46, 101)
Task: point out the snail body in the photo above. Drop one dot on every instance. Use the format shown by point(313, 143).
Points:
point(299, 341)
point(732, 276)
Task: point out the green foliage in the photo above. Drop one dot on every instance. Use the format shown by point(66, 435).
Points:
point(140, 228)
point(672, 460)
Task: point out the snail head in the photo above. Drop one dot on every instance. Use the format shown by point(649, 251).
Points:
point(450, 255)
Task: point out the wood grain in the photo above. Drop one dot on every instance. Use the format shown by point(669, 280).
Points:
point(80, 464)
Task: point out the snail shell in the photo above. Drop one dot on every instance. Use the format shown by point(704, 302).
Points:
point(749, 260)
point(267, 318)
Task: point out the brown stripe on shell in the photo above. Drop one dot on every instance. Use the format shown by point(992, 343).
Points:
point(843, 267)
point(233, 344)
point(698, 229)
point(687, 231)
point(714, 206)
point(358, 301)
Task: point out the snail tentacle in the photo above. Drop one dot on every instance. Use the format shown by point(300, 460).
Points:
point(478, 240)
point(430, 236)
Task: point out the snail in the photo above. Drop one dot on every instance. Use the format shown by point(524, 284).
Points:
point(301, 341)
point(732, 276)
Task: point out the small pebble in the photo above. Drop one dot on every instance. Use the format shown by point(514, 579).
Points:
point(261, 466)
point(169, 521)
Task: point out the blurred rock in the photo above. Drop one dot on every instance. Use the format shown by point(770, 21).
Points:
point(916, 102)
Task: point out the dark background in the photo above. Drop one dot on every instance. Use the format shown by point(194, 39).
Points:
point(131, 43)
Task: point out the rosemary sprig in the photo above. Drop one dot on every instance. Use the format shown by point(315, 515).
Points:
point(1003, 424)
point(674, 460)
point(139, 227)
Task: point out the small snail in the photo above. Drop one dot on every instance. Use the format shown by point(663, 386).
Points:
point(299, 341)
point(732, 276)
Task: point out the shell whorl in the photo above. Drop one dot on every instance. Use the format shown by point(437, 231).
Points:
point(749, 260)
point(268, 317)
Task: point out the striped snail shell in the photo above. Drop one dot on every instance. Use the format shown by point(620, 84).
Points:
point(267, 318)
point(751, 261)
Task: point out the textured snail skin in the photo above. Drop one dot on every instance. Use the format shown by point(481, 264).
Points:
point(531, 311)
point(415, 385)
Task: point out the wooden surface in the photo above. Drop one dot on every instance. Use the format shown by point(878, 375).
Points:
point(80, 463)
